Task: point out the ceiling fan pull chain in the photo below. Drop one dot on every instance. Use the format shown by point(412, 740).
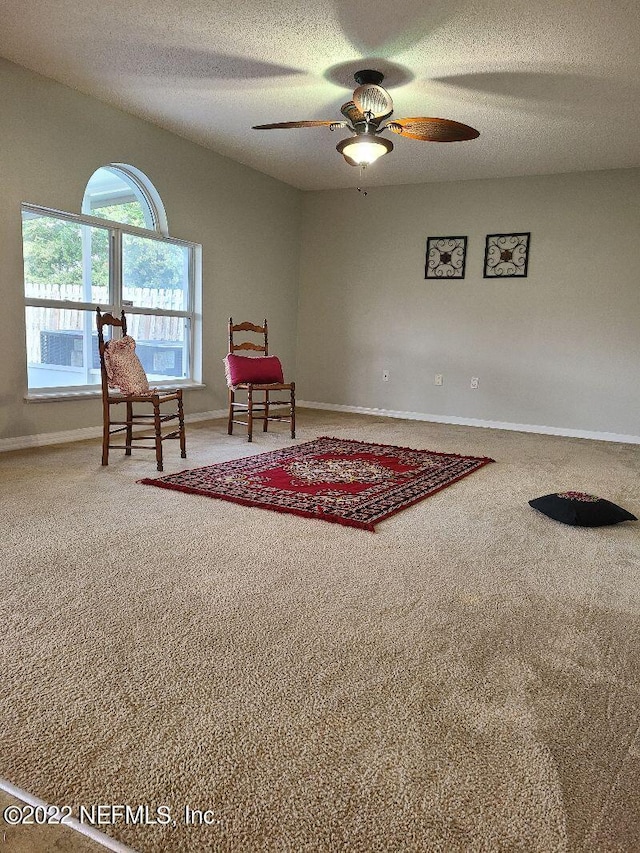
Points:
point(363, 166)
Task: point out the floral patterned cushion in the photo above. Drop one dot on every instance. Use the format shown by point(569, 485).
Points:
point(581, 509)
point(124, 370)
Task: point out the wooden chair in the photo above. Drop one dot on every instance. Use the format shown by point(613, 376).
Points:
point(257, 409)
point(155, 419)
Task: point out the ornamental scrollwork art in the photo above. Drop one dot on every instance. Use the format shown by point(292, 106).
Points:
point(506, 255)
point(446, 257)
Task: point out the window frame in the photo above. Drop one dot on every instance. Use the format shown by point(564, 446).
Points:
point(116, 230)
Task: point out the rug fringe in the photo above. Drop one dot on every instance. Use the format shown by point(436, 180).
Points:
point(402, 447)
point(324, 516)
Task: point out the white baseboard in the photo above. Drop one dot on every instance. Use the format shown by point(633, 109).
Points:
point(23, 442)
point(475, 422)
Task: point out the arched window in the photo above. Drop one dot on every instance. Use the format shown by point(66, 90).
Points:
point(124, 194)
point(117, 254)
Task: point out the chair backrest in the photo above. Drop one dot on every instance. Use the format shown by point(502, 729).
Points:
point(240, 331)
point(103, 320)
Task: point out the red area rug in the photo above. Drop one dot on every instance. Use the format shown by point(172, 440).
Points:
point(334, 479)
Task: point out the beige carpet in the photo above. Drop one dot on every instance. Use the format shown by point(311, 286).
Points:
point(40, 838)
point(464, 679)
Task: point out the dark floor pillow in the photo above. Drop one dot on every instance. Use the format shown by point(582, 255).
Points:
point(580, 509)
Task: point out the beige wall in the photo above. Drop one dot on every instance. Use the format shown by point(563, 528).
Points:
point(52, 140)
point(560, 348)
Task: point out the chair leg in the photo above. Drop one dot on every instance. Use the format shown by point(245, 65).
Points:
point(129, 440)
point(265, 422)
point(250, 414)
point(293, 410)
point(232, 398)
point(158, 435)
point(183, 438)
point(106, 425)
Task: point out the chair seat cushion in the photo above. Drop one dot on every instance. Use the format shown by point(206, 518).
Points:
point(261, 370)
point(124, 370)
point(580, 509)
point(266, 386)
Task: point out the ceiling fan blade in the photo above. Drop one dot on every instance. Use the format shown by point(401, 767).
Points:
point(283, 125)
point(432, 129)
point(371, 98)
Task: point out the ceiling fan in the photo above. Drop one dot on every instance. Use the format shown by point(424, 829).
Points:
point(368, 114)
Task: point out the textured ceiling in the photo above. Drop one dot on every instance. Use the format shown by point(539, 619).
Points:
point(551, 86)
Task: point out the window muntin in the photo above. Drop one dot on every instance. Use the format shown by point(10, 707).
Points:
point(73, 264)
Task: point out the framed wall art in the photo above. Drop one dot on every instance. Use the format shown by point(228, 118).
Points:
point(446, 257)
point(506, 255)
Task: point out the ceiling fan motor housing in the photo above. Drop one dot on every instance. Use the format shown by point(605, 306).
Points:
point(369, 97)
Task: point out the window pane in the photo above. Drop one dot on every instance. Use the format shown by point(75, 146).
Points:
point(64, 260)
point(62, 347)
point(155, 274)
point(161, 345)
point(112, 194)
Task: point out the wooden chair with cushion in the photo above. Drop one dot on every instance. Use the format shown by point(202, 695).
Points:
point(121, 369)
point(257, 376)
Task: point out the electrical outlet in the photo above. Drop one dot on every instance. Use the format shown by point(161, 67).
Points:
point(474, 382)
point(385, 375)
point(439, 379)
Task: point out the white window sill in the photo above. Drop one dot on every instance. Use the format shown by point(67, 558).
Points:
point(57, 395)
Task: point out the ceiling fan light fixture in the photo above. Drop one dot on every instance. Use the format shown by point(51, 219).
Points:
point(363, 149)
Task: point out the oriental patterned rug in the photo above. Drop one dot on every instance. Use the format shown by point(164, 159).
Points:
point(333, 479)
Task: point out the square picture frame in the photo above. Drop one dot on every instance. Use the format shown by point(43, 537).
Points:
point(446, 258)
point(507, 255)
